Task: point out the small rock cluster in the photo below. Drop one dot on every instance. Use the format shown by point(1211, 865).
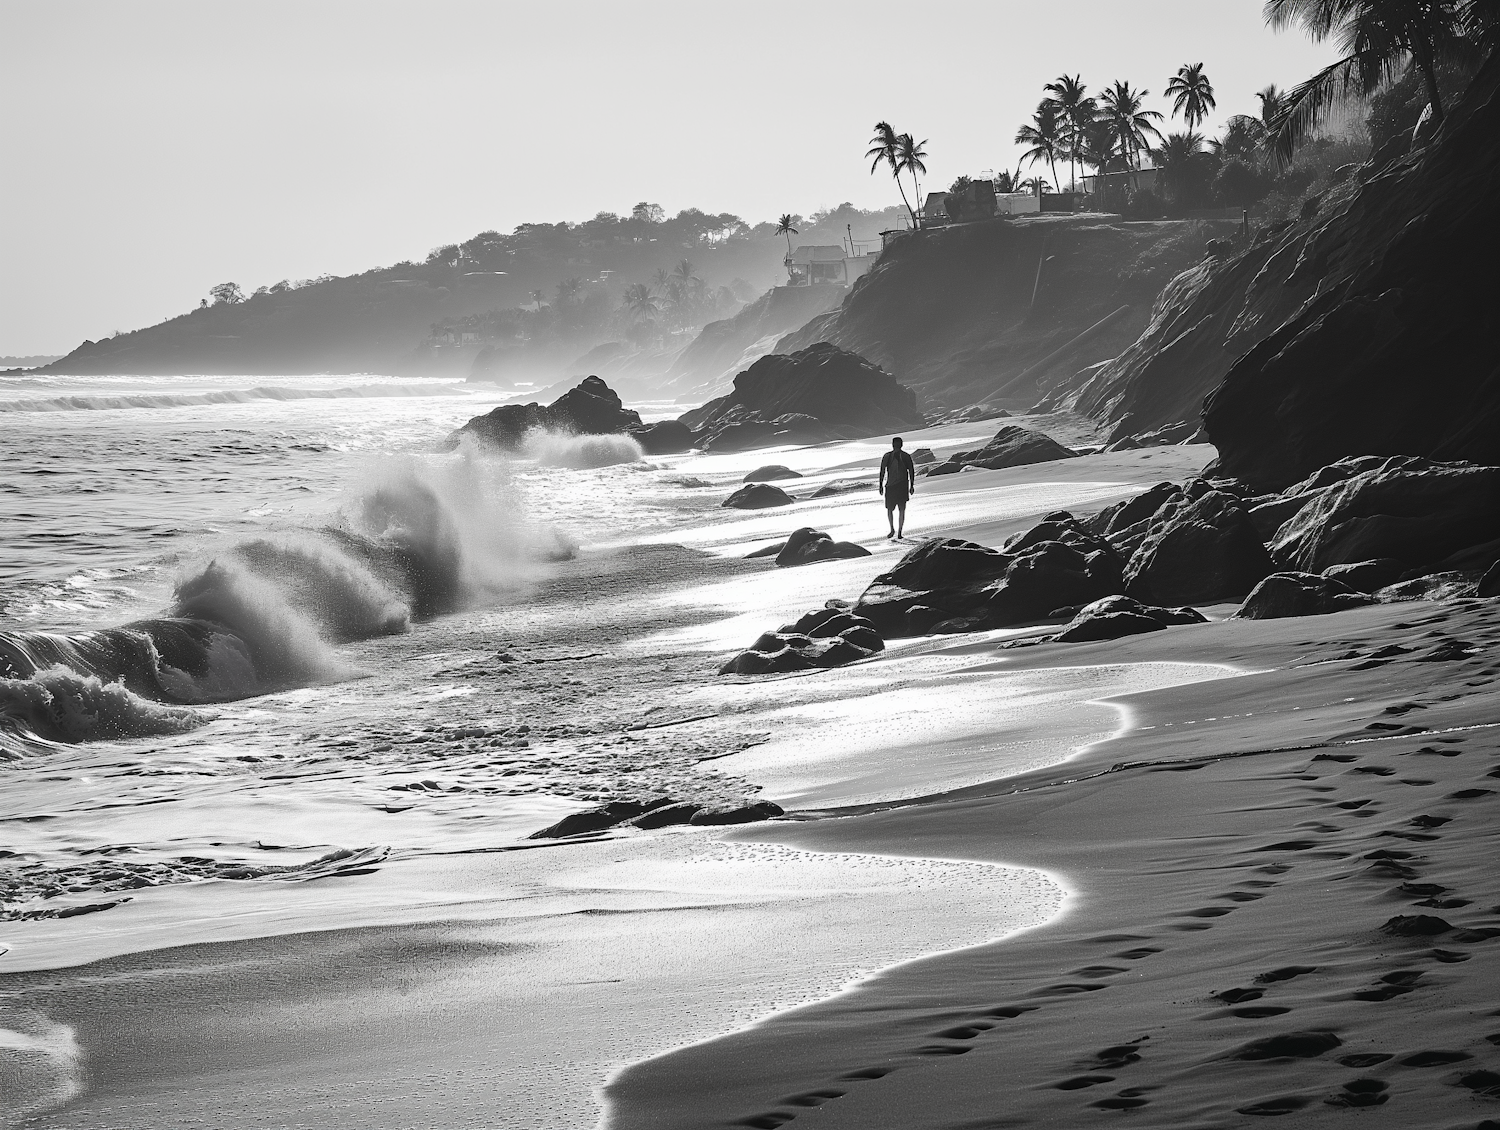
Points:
point(659, 813)
point(827, 637)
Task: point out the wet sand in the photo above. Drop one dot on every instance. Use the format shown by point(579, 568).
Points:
point(498, 988)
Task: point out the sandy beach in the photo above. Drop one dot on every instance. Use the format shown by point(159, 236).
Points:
point(1013, 887)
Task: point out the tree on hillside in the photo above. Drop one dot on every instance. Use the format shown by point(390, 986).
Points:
point(226, 294)
point(567, 290)
point(784, 227)
point(649, 213)
point(639, 300)
point(1077, 111)
point(1044, 135)
point(537, 296)
point(1241, 140)
point(909, 156)
point(885, 147)
point(683, 275)
point(1120, 107)
point(1272, 98)
point(1377, 39)
point(1192, 94)
point(660, 279)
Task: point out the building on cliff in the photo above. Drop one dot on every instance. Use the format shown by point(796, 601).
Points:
point(818, 265)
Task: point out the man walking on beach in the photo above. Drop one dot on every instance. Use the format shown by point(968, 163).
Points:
point(898, 482)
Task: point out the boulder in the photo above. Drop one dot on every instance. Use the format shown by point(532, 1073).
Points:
point(1115, 616)
point(767, 550)
point(667, 815)
point(949, 467)
point(770, 473)
point(1053, 565)
point(923, 455)
point(793, 649)
point(1300, 594)
point(663, 437)
point(1406, 507)
point(1432, 586)
point(1197, 552)
point(1132, 511)
point(590, 408)
point(1367, 576)
point(807, 545)
point(737, 814)
point(842, 486)
point(594, 819)
point(810, 396)
point(757, 496)
point(1014, 446)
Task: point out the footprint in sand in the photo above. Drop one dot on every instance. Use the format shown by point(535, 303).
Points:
point(1360, 1092)
point(1433, 1059)
point(1283, 1104)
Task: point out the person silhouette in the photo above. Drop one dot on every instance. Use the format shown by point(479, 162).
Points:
point(898, 482)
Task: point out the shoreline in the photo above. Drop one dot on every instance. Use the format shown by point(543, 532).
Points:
point(397, 1088)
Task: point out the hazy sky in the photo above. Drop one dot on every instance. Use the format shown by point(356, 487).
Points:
point(154, 148)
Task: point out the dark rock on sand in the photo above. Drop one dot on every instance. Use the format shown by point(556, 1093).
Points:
point(1197, 552)
point(740, 814)
point(1432, 586)
point(666, 815)
point(828, 637)
point(1367, 576)
point(1053, 565)
point(1290, 1045)
point(1300, 594)
point(590, 408)
point(807, 545)
point(1014, 446)
point(592, 820)
point(770, 473)
point(662, 437)
point(1405, 507)
point(767, 550)
point(1132, 511)
point(923, 455)
point(757, 496)
point(810, 396)
point(1116, 616)
point(948, 467)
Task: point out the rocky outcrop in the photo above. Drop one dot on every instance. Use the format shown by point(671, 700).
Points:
point(663, 437)
point(1395, 355)
point(828, 637)
point(1013, 446)
point(812, 396)
point(1300, 594)
point(995, 315)
point(807, 545)
point(591, 408)
point(1197, 551)
point(1425, 514)
point(757, 496)
point(953, 585)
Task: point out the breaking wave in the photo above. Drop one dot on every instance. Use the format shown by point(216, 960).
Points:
point(560, 449)
point(420, 538)
point(40, 1062)
point(223, 396)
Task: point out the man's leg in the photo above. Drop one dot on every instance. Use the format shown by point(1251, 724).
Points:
point(890, 517)
point(901, 526)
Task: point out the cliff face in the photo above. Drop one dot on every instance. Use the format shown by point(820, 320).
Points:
point(723, 348)
point(950, 312)
point(1396, 354)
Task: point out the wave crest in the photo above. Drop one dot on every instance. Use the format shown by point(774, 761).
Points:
point(580, 453)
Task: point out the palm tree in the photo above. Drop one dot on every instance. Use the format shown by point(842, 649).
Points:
point(784, 227)
point(639, 300)
point(1272, 99)
point(568, 289)
point(909, 156)
point(1180, 158)
point(1120, 107)
point(1376, 38)
point(886, 146)
point(1077, 111)
point(1037, 185)
point(683, 274)
point(1099, 148)
point(1194, 94)
point(659, 279)
point(1044, 136)
point(1243, 137)
point(537, 296)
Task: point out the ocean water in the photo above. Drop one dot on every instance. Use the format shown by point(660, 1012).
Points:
point(235, 615)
